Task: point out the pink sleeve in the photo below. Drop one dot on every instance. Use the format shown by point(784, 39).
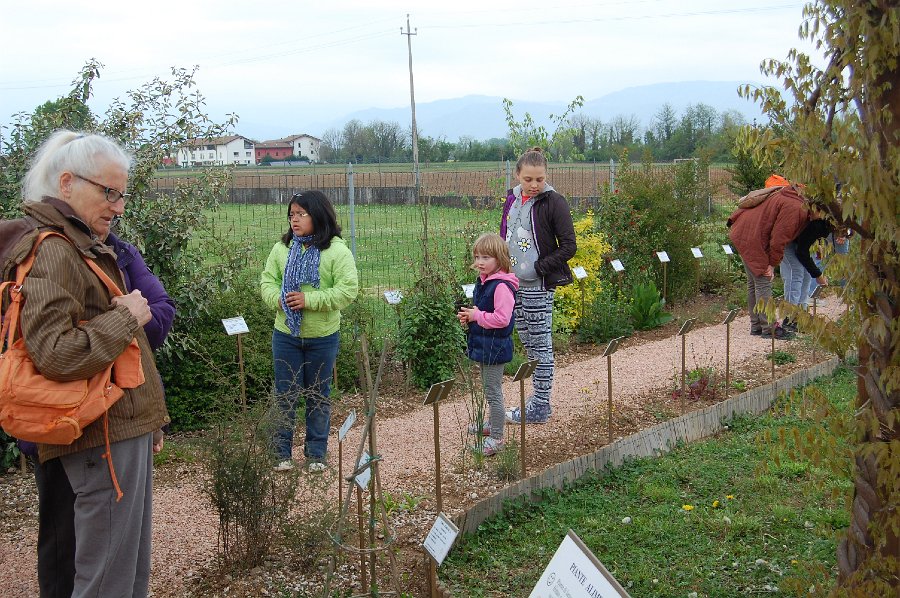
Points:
point(503, 308)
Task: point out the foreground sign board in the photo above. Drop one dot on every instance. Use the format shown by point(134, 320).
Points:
point(574, 572)
point(441, 537)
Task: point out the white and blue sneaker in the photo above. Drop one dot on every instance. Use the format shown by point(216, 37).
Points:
point(535, 413)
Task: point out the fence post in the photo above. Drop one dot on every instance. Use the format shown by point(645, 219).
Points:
point(351, 201)
point(508, 176)
point(612, 176)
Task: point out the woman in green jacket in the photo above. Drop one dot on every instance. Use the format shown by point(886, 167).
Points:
point(310, 276)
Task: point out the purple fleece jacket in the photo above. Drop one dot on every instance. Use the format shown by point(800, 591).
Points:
point(139, 277)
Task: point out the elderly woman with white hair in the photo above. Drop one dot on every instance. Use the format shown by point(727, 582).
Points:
point(95, 515)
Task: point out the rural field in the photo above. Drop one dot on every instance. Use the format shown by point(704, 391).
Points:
point(455, 179)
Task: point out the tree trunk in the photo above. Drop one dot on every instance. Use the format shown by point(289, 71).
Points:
point(869, 557)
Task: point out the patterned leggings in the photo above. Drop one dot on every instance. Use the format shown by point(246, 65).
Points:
point(534, 322)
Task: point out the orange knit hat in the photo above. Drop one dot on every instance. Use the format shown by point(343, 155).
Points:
point(776, 180)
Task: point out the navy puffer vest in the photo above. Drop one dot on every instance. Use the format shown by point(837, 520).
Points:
point(490, 345)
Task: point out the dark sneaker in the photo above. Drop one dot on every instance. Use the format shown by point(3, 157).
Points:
point(780, 334)
point(755, 331)
point(535, 413)
point(789, 325)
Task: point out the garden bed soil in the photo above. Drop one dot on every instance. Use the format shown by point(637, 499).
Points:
point(646, 377)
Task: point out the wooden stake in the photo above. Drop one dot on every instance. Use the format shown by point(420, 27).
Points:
point(522, 425)
point(609, 401)
point(727, 359)
point(241, 366)
point(437, 457)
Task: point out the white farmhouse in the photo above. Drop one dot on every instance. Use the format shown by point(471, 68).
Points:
point(304, 145)
point(220, 151)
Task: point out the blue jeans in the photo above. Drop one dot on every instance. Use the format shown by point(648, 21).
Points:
point(303, 368)
point(792, 274)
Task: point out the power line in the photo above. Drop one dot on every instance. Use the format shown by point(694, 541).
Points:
point(697, 13)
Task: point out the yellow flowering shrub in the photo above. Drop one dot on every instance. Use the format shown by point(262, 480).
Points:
point(592, 246)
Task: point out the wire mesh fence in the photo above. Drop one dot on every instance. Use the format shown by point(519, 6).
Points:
point(381, 212)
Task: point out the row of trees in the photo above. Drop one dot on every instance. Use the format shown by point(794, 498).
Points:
point(699, 129)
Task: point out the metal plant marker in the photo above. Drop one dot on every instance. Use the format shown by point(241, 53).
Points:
point(611, 348)
point(685, 328)
point(525, 371)
point(366, 467)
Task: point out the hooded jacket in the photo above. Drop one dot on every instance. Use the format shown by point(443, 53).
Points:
point(761, 233)
point(553, 231)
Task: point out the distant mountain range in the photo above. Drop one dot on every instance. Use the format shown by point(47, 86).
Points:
point(481, 117)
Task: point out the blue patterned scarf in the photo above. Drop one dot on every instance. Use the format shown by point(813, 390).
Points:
point(302, 267)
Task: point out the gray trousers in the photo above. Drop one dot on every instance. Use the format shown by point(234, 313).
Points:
point(112, 539)
point(758, 287)
point(492, 383)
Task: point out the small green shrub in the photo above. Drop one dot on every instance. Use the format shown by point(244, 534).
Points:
point(715, 277)
point(607, 319)
point(506, 463)
point(431, 338)
point(9, 452)
point(781, 357)
point(358, 319)
point(647, 308)
point(649, 214)
point(251, 499)
point(203, 379)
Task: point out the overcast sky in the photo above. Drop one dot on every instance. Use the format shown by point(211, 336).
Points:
point(315, 61)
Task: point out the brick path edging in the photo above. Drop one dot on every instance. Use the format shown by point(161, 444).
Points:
point(651, 442)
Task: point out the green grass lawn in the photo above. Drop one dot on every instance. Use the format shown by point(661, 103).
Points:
point(717, 517)
point(388, 246)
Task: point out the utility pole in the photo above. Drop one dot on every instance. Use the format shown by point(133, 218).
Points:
point(412, 101)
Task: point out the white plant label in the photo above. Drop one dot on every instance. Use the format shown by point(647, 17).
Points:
point(663, 256)
point(617, 265)
point(362, 480)
point(393, 297)
point(235, 325)
point(727, 249)
point(575, 571)
point(468, 290)
point(348, 423)
point(579, 272)
point(697, 253)
point(441, 538)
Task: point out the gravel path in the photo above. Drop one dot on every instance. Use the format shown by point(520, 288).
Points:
point(185, 526)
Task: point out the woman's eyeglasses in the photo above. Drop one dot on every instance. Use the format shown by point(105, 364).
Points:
point(297, 215)
point(112, 195)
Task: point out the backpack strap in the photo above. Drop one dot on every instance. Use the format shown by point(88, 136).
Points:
point(11, 318)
